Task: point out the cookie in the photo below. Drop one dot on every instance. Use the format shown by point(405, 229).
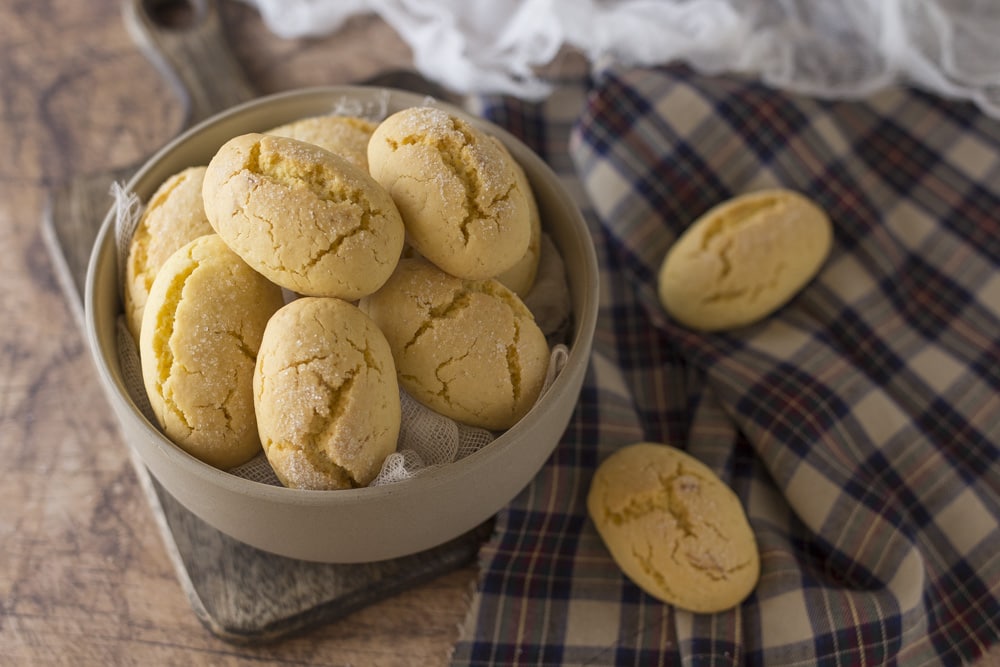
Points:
point(173, 217)
point(457, 191)
point(326, 396)
point(469, 350)
point(198, 343)
point(744, 259)
point(520, 278)
point(674, 528)
point(305, 218)
point(347, 136)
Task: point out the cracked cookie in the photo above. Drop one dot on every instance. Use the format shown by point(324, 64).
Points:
point(174, 216)
point(347, 136)
point(305, 218)
point(458, 192)
point(326, 395)
point(198, 343)
point(520, 278)
point(674, 528)
point(744, 259)
point(468, 349)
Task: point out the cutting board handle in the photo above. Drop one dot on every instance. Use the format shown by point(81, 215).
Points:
point(191, 52)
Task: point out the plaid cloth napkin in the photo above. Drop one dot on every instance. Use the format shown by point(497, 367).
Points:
point(859, 425)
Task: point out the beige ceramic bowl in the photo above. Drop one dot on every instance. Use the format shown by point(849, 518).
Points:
point(365, 524)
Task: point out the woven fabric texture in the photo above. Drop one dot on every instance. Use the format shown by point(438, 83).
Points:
point(859, 424)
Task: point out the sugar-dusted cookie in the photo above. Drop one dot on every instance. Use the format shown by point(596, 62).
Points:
point(468, 349)
point(173, 216)
point(326, 395)
point(307, 219)
point(458, 192)
point(346, 136)
point(744, 259)
point(674, 528)
point(200, 333)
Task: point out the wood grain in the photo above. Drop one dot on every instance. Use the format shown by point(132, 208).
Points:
point(84, 577)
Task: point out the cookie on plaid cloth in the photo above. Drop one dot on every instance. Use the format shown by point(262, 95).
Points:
point(743, 259)
point(859, 424)
point(674, 528)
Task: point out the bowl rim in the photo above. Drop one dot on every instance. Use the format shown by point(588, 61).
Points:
point(428, 479)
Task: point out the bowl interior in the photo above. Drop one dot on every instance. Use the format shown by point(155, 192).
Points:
point(214, 494)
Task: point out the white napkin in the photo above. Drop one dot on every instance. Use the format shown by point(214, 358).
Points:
point(831, 49)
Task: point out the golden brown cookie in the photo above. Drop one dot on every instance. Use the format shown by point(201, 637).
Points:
point(458, 193)
point(520, 278)
point(326, 395)
point(173, 216)
point(307, 219)
point(346, 136)
point(674, 528)
point(744, 259)
point(468, 349)
point(200, 333)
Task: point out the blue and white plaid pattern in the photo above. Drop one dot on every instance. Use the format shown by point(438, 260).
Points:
point(859, 425)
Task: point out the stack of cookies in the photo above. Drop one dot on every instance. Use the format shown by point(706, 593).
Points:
point(284, 293)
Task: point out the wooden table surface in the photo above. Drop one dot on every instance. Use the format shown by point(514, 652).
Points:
point(84, 577)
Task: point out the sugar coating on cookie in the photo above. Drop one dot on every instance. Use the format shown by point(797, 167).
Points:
point(468, 349)
point(326, 395)
point(458, 193)
point(744, 259)
point(346, 136)
point(173, 217)
point(307, 219)
point(200, 333)
point(674, 528)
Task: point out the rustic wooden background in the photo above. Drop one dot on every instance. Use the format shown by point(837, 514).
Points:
point(84, 576)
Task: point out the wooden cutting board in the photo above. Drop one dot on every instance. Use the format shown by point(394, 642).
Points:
point(240, 593)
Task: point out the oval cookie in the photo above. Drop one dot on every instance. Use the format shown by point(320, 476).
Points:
point(326, 395)
point(201, 330)
point(467, 349)
point(674, 528)
point(457, 191)
point(307, 219)
point(744, 259)
point(174, 216)
point(346, 136)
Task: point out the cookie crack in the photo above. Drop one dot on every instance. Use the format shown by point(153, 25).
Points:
point(166, 361)
point(328, 414)
point(739, 215)
point(707, 564)
point(716, 242)
point(461, 298)
point(224, 409)
point(336, 407)
point(365, 224)
point(325, 417)
point(665, 498)
point(241, 344)
point(445, 391)
point(646, 562)
point(459, 301)
point(325, 184)
point(514, 363)
point(455, 144)
point(748, 293)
